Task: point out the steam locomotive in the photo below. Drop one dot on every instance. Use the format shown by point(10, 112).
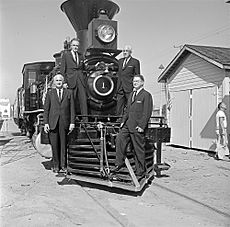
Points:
point(91, 148)
point(28, 103)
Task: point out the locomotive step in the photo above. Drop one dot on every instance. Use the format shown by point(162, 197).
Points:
point(85, 166)
point(83, 172)
point(87, 149)
point(85, 162)
point(86, 158)
point(89, 153)
point(92, 160)
point(84, 147)
point(121, 176)
point(76, 141)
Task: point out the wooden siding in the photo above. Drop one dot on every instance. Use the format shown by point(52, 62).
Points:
point(220, 93)
point(195, 72)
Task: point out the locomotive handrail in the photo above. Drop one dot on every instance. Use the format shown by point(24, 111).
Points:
point(110, 115)
point(110, 118)
point(112, 53)
point(33, 111)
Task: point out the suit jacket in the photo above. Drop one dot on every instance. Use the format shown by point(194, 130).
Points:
point(54, 109)
point(71, 70)
point(125, 75)
point(138, 112)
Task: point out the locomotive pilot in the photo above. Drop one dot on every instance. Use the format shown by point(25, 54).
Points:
point(71, 69)
point(128, 67)
point(59, 117)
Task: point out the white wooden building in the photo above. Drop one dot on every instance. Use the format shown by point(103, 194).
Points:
point(196, 80)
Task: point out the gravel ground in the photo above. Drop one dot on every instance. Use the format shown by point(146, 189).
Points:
point(195, 191)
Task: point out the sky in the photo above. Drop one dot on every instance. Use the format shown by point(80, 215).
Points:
point(33, 30)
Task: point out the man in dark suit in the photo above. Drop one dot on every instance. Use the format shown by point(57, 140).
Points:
point(71, 69)
point(134, 123)
point(128, 67)
point(59, 117)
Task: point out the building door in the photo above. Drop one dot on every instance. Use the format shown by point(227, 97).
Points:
point(179, 118)
point(203, 118)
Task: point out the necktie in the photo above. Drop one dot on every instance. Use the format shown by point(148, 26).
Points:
point(124, 63)
point(134, 96)
point(76, 57)
point(59, 95)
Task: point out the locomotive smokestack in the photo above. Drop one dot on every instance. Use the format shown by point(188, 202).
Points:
point(81, 12)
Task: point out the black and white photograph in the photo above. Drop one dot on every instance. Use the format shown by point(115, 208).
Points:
point(115, 113)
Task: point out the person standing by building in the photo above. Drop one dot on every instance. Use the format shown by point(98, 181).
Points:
point(221, 131)
point(128, 67)
point(134, 123)
point(71, 68)
point(59, 117)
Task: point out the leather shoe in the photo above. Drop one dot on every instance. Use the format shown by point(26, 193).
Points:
point(140, 177)
point(63, 169)
point(55, 170)
point(116, 169)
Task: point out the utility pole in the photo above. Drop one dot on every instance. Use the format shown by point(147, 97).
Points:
point(161, 67)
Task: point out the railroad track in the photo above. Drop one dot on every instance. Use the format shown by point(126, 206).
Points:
point(14, 151)
point(194, 203)
point(111, 212)
point(169, 196)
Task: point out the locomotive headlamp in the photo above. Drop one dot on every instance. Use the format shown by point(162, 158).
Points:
point(106, 33)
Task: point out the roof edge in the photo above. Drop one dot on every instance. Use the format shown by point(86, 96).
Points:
point(183, 52)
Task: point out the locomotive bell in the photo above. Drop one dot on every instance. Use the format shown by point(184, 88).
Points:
point(82, 12)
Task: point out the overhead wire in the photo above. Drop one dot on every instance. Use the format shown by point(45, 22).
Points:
point(206, 35)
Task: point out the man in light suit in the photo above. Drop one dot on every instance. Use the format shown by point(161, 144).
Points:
point(59, 117)
point(134, 123)
point(71, 68)
point(128, 67)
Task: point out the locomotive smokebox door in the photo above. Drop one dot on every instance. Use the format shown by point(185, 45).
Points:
point(102, 33)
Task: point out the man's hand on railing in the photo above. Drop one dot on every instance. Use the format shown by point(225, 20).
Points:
point(46, 128)
point(71, 127)
point(139, 129)
point(65, 85)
